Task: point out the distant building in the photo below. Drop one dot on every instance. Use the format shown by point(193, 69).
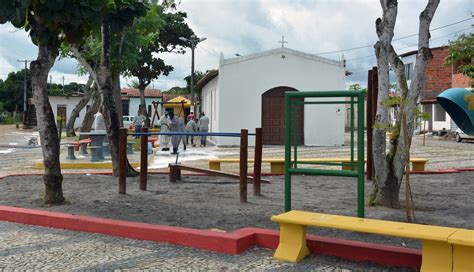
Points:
point(247, 92)
point(63, 106)
point(131, 100)
point(438, 78)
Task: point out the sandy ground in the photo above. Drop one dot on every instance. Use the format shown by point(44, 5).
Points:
point(210, 202)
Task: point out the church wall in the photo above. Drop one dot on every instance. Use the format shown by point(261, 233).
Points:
point(243, 83)
point(210, 104)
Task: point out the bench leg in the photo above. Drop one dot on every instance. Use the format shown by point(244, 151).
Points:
point(436, 256)
point(277, 167)
point(292, 247)
point(173, 173)
point(215, 166)
point(463, 258)
point(418, 166)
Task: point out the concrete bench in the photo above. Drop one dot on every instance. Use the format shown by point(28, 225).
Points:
point(70, 152)
point(437, 242)
point(82, 144)
point(277, 166)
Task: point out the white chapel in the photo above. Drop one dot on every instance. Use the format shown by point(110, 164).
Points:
point(247, 92)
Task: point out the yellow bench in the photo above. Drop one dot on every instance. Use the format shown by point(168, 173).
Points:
point(443, 248)
point(277, 166)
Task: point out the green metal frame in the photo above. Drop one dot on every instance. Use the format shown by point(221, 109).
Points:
point(292, 163)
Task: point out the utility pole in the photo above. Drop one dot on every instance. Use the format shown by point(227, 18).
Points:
point(193, 41)
point(25, 99)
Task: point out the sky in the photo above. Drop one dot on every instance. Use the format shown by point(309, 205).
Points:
point(250, 26)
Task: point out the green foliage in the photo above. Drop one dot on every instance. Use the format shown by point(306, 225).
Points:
point(198, 75)
point(177, 90)
point(54, 21)
point(157, 32)
point(373, 198)
point(357, 87)
point(11, 90)
point(461, 54)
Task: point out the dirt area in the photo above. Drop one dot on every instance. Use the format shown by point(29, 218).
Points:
point(210, 202)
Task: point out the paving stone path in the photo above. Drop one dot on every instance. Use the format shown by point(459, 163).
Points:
point(24, 247)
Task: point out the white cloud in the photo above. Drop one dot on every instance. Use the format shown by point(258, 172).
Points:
point(251, 26)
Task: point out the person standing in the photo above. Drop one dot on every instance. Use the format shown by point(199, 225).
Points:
point(176, 125)
point(191, 126)
point(99, 121)
point(203, 125)
point(164, 124)
point(138, 122)
point(190, 117)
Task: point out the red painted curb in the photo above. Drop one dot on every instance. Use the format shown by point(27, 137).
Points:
point(231, 243)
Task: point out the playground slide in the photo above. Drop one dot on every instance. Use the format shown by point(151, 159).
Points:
point(459, 104)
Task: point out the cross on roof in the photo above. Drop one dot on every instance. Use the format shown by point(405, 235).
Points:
point(282, 41)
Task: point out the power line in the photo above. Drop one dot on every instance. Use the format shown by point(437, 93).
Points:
point(397, 39)
point(433, 39)
point(209, 52)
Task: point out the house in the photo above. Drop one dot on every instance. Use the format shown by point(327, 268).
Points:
point(131, 101)
point(63, 106)
point(439, 77)
point(247, 92)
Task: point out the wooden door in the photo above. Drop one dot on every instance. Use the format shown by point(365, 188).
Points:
point(273, 117)
point(62, 113)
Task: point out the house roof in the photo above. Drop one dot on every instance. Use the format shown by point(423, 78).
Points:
point(132, 92)
point(413, 52)
point(207, 77)
point(280, 50)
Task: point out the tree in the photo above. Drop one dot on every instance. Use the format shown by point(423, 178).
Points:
point(157, 32)
point(11, 90)
point(120, 17)
point(87, 94)
point(390, 164)
point(461, 54)
point(50, 23)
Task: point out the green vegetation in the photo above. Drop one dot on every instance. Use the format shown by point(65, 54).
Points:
point(461, 54)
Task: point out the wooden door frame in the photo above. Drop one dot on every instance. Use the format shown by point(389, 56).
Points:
point(286, 88)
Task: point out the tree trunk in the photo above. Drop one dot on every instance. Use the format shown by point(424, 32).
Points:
point(77, 109)
point(107, 91)
point(390, 166)
point(89, 117)
point(141, 87)
point(117, 96)
point(48, 131)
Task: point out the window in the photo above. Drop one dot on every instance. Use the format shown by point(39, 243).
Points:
point(439, 113)
point(409, 70)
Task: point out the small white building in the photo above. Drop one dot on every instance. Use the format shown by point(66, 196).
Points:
point(131, 101)
point(248, 92)
point(64, 106)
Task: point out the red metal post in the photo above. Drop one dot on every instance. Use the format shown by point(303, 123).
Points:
point(243, 164)
point(144, 159)
point(122, 161)
point(257, 163)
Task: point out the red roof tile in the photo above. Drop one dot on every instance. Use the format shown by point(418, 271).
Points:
point(130, 92)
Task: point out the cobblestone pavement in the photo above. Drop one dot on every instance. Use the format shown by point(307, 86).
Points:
point(442, 153)
point(24, 247)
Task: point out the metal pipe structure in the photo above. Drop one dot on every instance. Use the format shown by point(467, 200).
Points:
point(291, 164)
